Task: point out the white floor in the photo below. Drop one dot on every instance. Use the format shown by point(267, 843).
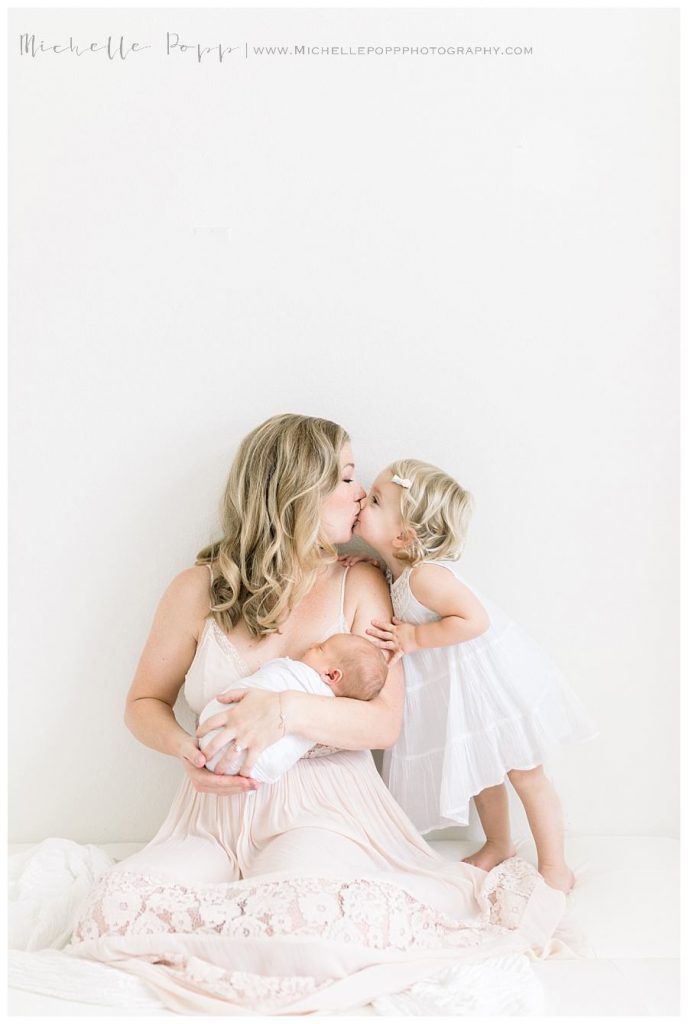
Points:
point(625, 907)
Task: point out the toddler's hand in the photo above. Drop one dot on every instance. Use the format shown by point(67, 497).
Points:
point(396, 636)
point(350, 560)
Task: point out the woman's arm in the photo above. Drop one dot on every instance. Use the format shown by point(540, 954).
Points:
point(354, 724)
point(343, 722)
point(159, 677)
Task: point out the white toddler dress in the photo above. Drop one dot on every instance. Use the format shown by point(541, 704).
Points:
point(473, 712)
point(277, 675)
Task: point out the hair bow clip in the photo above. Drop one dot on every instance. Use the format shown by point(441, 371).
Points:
point(401, 480)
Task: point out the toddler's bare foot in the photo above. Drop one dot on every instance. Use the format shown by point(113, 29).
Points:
point(490, 855)
point(559, 876)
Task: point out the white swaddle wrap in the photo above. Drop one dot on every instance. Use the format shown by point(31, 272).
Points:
point(277, 675)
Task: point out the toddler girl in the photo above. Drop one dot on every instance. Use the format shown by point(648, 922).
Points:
point(483, 701)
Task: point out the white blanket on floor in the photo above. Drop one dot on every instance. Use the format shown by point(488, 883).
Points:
point(49, 882)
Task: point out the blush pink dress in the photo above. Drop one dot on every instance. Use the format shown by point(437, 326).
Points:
point(313, 894)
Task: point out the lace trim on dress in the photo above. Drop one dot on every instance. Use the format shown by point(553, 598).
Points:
point(368, 912)
point(321, 750)
point(229, 649)
point(509, 887)
point(400, 588)
point(365, 912)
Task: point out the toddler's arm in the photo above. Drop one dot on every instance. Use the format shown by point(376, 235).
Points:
point(462, 615)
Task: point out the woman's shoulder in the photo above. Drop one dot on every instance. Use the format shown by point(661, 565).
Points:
point(187, 595)
point(364, 576)
point(367, 593)
point(192, 581)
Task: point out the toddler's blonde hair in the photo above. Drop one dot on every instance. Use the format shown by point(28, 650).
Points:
point(272, 541)
point(436, 507)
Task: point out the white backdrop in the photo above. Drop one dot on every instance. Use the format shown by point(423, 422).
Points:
point(468, 259)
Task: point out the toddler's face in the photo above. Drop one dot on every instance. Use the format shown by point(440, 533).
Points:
point(379, 523)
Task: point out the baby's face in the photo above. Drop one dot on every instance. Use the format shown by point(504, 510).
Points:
point(325, 659)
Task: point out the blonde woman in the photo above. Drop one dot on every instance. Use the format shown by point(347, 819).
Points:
point(314, 893)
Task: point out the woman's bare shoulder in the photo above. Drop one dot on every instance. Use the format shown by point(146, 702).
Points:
point(367, 596)
point(366, 576)
point(188, 594)
point(194, 580)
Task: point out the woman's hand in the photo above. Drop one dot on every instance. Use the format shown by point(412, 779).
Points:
point(396, 636)
point(204, 781)
point(253, 723)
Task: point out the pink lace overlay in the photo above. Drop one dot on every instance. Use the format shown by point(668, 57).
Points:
point(320, 750)
point(509, 887)
point(366, 912)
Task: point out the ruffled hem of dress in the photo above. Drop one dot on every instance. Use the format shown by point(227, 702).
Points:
point(435, 787)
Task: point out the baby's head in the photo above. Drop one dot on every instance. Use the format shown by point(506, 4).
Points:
point(415, 511)
point(350, 665)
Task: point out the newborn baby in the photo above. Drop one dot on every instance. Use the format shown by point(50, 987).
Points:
point(344, 665)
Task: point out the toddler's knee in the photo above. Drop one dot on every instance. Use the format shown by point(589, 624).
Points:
point(526, 778)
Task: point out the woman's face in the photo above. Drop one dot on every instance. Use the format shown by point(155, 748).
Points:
point(339, 510)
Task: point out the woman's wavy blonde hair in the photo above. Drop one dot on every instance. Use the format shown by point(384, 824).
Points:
point(435, 507)
point(272, 543)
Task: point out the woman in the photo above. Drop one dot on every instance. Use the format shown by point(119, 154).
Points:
point(315, 893)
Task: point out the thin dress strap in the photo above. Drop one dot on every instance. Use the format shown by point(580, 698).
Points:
point(341, 599)
point(210, 570)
